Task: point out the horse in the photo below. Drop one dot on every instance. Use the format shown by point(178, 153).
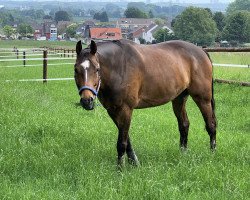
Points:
point(127, 76)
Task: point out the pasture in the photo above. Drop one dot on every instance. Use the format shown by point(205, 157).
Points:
point(50, 148)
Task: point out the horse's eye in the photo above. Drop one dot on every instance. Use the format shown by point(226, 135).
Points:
point(97, 70)
point(75, 70)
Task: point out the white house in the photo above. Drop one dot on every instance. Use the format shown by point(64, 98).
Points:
point(147, 34)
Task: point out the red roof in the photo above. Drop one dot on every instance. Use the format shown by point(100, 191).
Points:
point(106, 33)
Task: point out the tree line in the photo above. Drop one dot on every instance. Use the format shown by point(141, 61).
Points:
point(197, 25)
point(203, 27)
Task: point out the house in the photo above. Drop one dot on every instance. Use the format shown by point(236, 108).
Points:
point(128, 25)
point(53, 32)
point(105, 33)
point(136, 34)
point(47, 29)
point(37, 33)
point(146, 33)
point(62, 26)
point(84, 28)
point(131, 23)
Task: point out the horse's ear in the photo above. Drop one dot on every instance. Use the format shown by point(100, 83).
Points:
point(79, 47)
point(93, 47)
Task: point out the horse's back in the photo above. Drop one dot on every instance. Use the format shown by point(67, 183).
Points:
point(169, 68)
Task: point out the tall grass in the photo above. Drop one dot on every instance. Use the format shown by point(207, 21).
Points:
point(50, 148)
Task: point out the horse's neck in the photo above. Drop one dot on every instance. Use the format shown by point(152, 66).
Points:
point(108, 59)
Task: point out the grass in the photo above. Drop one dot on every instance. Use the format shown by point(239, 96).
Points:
point(232, 73)
point(36, 44)
point(52, 149)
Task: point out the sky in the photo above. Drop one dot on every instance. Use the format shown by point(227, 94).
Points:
point(202, 1)
point(152, 1)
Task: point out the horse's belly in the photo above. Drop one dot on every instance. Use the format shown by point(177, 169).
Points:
point(155, 95)
point(147, 103)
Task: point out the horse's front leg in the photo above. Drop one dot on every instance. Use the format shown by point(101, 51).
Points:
point(122, 118)
point(132, 158)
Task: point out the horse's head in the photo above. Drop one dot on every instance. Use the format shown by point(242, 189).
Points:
point(87, 76)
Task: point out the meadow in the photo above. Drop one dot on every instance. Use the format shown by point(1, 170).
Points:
point(50, 148)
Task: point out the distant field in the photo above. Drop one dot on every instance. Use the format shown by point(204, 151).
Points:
point(50, 148)
point(232, 73)
point(35, 44)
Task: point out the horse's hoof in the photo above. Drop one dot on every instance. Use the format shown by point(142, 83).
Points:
point(213, 145)
point(121, 163)
point(183, 149)
point(133, 162)
point(213, 148)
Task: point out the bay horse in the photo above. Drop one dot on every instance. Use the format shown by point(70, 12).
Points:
point(126, 76)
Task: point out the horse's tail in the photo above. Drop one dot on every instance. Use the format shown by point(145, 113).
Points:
point(212, 100)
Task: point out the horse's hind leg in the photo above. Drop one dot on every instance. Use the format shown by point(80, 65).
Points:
point(182, 118)
point(206, 106)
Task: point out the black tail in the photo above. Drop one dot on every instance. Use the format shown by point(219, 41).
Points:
point(212, 100)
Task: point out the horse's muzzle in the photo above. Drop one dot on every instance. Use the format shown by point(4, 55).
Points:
point(87, 104)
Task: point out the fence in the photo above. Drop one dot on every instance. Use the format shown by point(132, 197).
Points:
point(67, 54)
point(38, 54)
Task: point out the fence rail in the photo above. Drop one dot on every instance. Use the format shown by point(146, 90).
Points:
point(220, 49)
point(68, 54)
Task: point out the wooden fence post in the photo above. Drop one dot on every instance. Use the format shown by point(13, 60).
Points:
point(17, 52)
point(24, 58)
point(72, 52)
point(45, 64)
point(64, 51)
point(68, 52)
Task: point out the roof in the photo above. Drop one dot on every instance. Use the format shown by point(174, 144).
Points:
point(135, 21)
point(106, 33)
point(138, 32)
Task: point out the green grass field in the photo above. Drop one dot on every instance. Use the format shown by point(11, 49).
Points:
point(50, 148)
point(35, 44)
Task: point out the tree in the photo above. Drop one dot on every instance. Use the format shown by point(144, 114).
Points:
point(209, 11)
point(159, 21)
point(133, 12)
point(150, 14)
point(6, 18)
point(219, 19)
point(113, 10)
point(71, 31)
point(238, 5)
point(34, 14)
point(24, 29)
point(163, 35)
point(47, 17)
point(238, 27)
point(61, 16)
point(142, 40)
point(8, 30)
point(102, 16)
point(195, 25)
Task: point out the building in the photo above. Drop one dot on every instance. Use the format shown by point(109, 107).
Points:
point(53, 32)
point(47, 30)
point(105, 33)
point(146, 33)
point(128, 25)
